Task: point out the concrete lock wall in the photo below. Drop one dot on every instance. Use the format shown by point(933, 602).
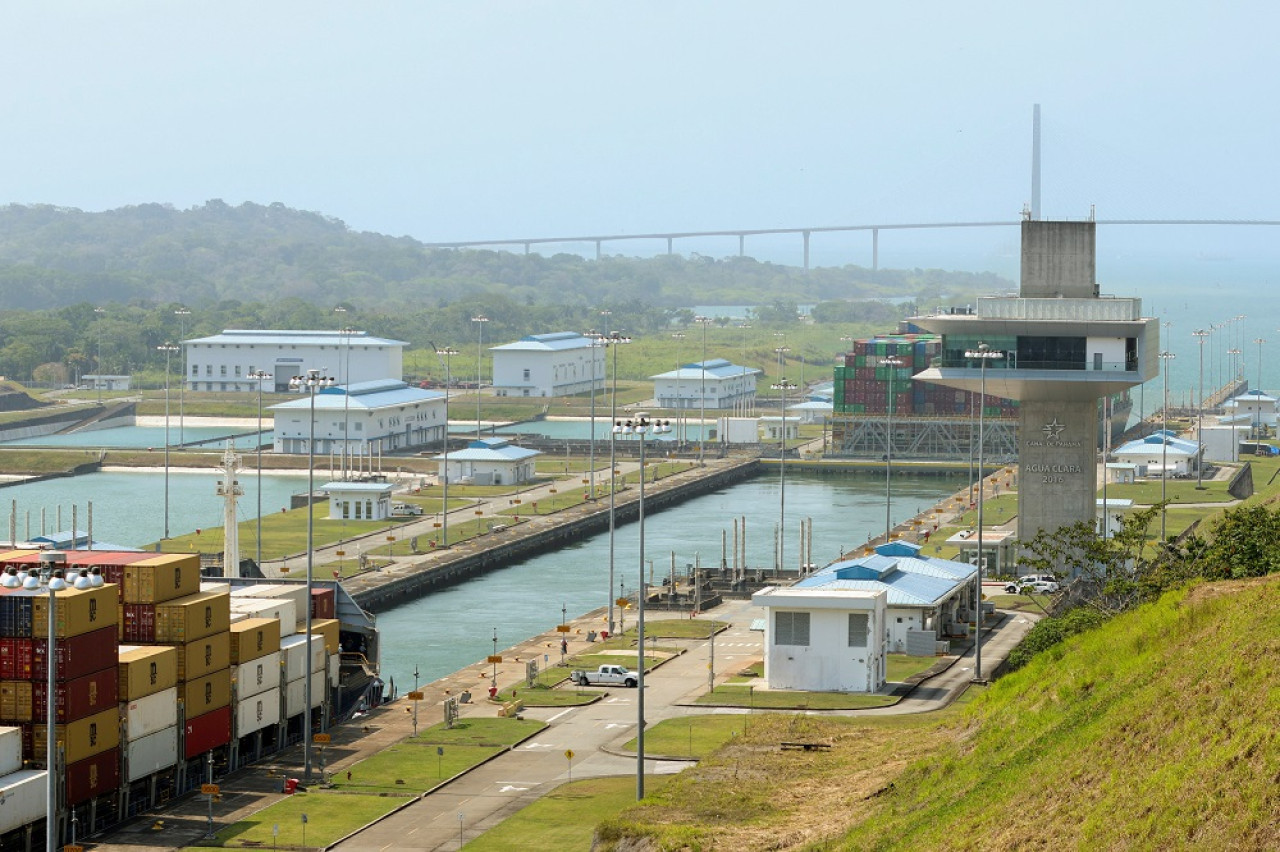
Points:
point(1057, 480)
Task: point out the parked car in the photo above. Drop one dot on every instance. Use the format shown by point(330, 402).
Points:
point(1036, 587)
point(406, 509)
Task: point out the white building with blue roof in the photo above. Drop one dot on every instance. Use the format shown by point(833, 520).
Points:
point(715, 384)
point(490, 461)
point(925, 599)
point(1162, 453)
point(365, 419)
point(558, 364)
point(224, 362)
point(1254, 406)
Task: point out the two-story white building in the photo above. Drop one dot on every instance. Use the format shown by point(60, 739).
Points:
point(224, 362)
point(558, 364)
point(367, 419)
point(714, 384)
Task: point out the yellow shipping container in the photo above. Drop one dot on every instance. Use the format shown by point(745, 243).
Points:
point(162, 578)
point(84, 738)
point(78, 611)
point(15, 700)
point(206, 693)
point(193, 617)
point(199, 658)
point(147, 669)
point(254, 638)
point(328, 628)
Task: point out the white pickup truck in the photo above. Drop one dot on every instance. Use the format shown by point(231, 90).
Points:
point(604, 676)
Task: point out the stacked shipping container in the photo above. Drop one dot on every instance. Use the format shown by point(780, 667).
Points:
point(862, 383)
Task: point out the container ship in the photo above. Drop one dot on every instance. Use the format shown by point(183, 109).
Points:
point(929, 421)
point(163, 680)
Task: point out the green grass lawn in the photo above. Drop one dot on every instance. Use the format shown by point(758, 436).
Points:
point(329, 817)
point(900, 666)
point(739, 695)
point(691, 736)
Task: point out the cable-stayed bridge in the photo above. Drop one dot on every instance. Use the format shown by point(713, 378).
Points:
point(806, 234)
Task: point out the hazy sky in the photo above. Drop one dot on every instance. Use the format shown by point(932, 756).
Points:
point(472, 120)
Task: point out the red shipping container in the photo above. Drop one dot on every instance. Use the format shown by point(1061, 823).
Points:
point(207, 732)
point(138, 623)
point(93, 776)
point(78, 655)
point(16, 656)
point(81, 697)
point(322, 603)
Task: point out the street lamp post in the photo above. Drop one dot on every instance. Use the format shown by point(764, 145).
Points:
point(1200, 335)
point(168, 349)
point(640, 428)
point(682, 419)
point(1257, 424)
point(1166, 357)
point(101, 312)
point(982, 354)
point(346, 331)
point(182, 313)
point(893, 364)
point(313, 382)
point(702, 392)
point(479, 320)
point(260, 376)
point(744, 409)
point(1232, 380)
point(782, 385)
point(615, 340)
point(446, 355)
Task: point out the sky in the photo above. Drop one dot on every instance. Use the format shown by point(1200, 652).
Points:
point(487, 120)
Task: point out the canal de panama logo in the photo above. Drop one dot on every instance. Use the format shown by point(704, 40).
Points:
point(1052, 430)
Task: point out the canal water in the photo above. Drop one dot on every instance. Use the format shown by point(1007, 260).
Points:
point(142, 437)
point(454, 627)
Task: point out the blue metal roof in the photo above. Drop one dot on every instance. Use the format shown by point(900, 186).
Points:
point(897, 569)
point(554, 342)
point(288, 337)
point(1156, 440)
point(490, 450)
point(714, 368)
point(79, 540)
point(363, 396)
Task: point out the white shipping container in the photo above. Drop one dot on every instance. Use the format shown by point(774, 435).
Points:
point(220, 588)
point(295, 695)
point(281, 609)
point(10, 750)
point(294, 659)
point(257, 675)
point(238, 616)
point(257, 712)
point(253, 590)
point(150, 714)
point(296, 592)
point(23, 794)
point(335, 669)
point(152, 753)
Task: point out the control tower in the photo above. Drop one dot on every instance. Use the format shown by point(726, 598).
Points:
point(1060, 347)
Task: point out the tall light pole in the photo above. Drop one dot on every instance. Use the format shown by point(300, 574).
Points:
point(182, 313)
point(344, 379)
point(1235, 372)
point(641, 428)
point(1166, 357)
point(1200, 335)
point(168, 349)
point(702, 391)
point(682, 419)
point(982, 355)
point(615, 340)
point(260, 376)
point(313, 382)
point(101, 312)
point(1257, 425)
point(479, 320)
point(782, 385)
point(446, 356)
point(745, 410)
point(892, 364)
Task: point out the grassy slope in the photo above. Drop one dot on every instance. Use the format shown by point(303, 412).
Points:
point(1155, 732)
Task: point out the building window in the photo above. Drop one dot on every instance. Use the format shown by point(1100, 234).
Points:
point(222, 370)
point(857, 630)
point(791, 628)
point(208, 370)
point(195, 369)
point(526, 375)
point(359, 426)
point(237, 371)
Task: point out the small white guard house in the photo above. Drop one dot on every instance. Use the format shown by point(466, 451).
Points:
point(926, 598)
point(224, 362)
point(727, 385)
point(361, 501)
point(367, 419)
point(1162, 453)
point(557, 364)
point(489, 461)
point(823, 640)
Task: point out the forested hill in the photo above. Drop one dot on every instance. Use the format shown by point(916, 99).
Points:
point(52, 257)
